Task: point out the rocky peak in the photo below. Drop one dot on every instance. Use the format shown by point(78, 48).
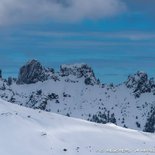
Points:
point(79, 71)
point(33, 72)
point(140, 83)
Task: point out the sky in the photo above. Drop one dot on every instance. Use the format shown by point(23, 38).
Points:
point(115, 37)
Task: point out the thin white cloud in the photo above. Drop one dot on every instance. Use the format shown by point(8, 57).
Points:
point(12, 11)
point(130, 35)
point(133, 36)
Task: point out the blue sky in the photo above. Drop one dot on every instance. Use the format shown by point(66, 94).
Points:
point(115, 37)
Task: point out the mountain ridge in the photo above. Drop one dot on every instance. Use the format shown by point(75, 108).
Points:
point(75, 91)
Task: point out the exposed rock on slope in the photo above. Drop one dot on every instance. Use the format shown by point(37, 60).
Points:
point(140, 83)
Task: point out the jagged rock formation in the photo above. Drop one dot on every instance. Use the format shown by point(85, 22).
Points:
point(79, 71)
point(74, 91)
point(33, 72)
point(140, 83)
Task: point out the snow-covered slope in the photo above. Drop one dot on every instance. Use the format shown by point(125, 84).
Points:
point(75, 91)
point(24, 131)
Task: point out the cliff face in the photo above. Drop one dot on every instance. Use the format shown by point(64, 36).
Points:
point(33, 72)
point(75, 91)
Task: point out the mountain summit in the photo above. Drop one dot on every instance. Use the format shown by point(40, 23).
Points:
point(33, 72)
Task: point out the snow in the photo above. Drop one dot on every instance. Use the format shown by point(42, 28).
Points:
point(84, 100)
point(25, 131)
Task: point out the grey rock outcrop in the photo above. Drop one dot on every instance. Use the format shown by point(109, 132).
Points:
point(79, 70)
point(33, 72)
point(140, 83)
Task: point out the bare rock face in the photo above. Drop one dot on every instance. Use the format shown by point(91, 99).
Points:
point(79, 71)
point(140, 83)
point(33, 72)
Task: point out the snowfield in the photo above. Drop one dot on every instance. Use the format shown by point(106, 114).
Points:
point(25, 131)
